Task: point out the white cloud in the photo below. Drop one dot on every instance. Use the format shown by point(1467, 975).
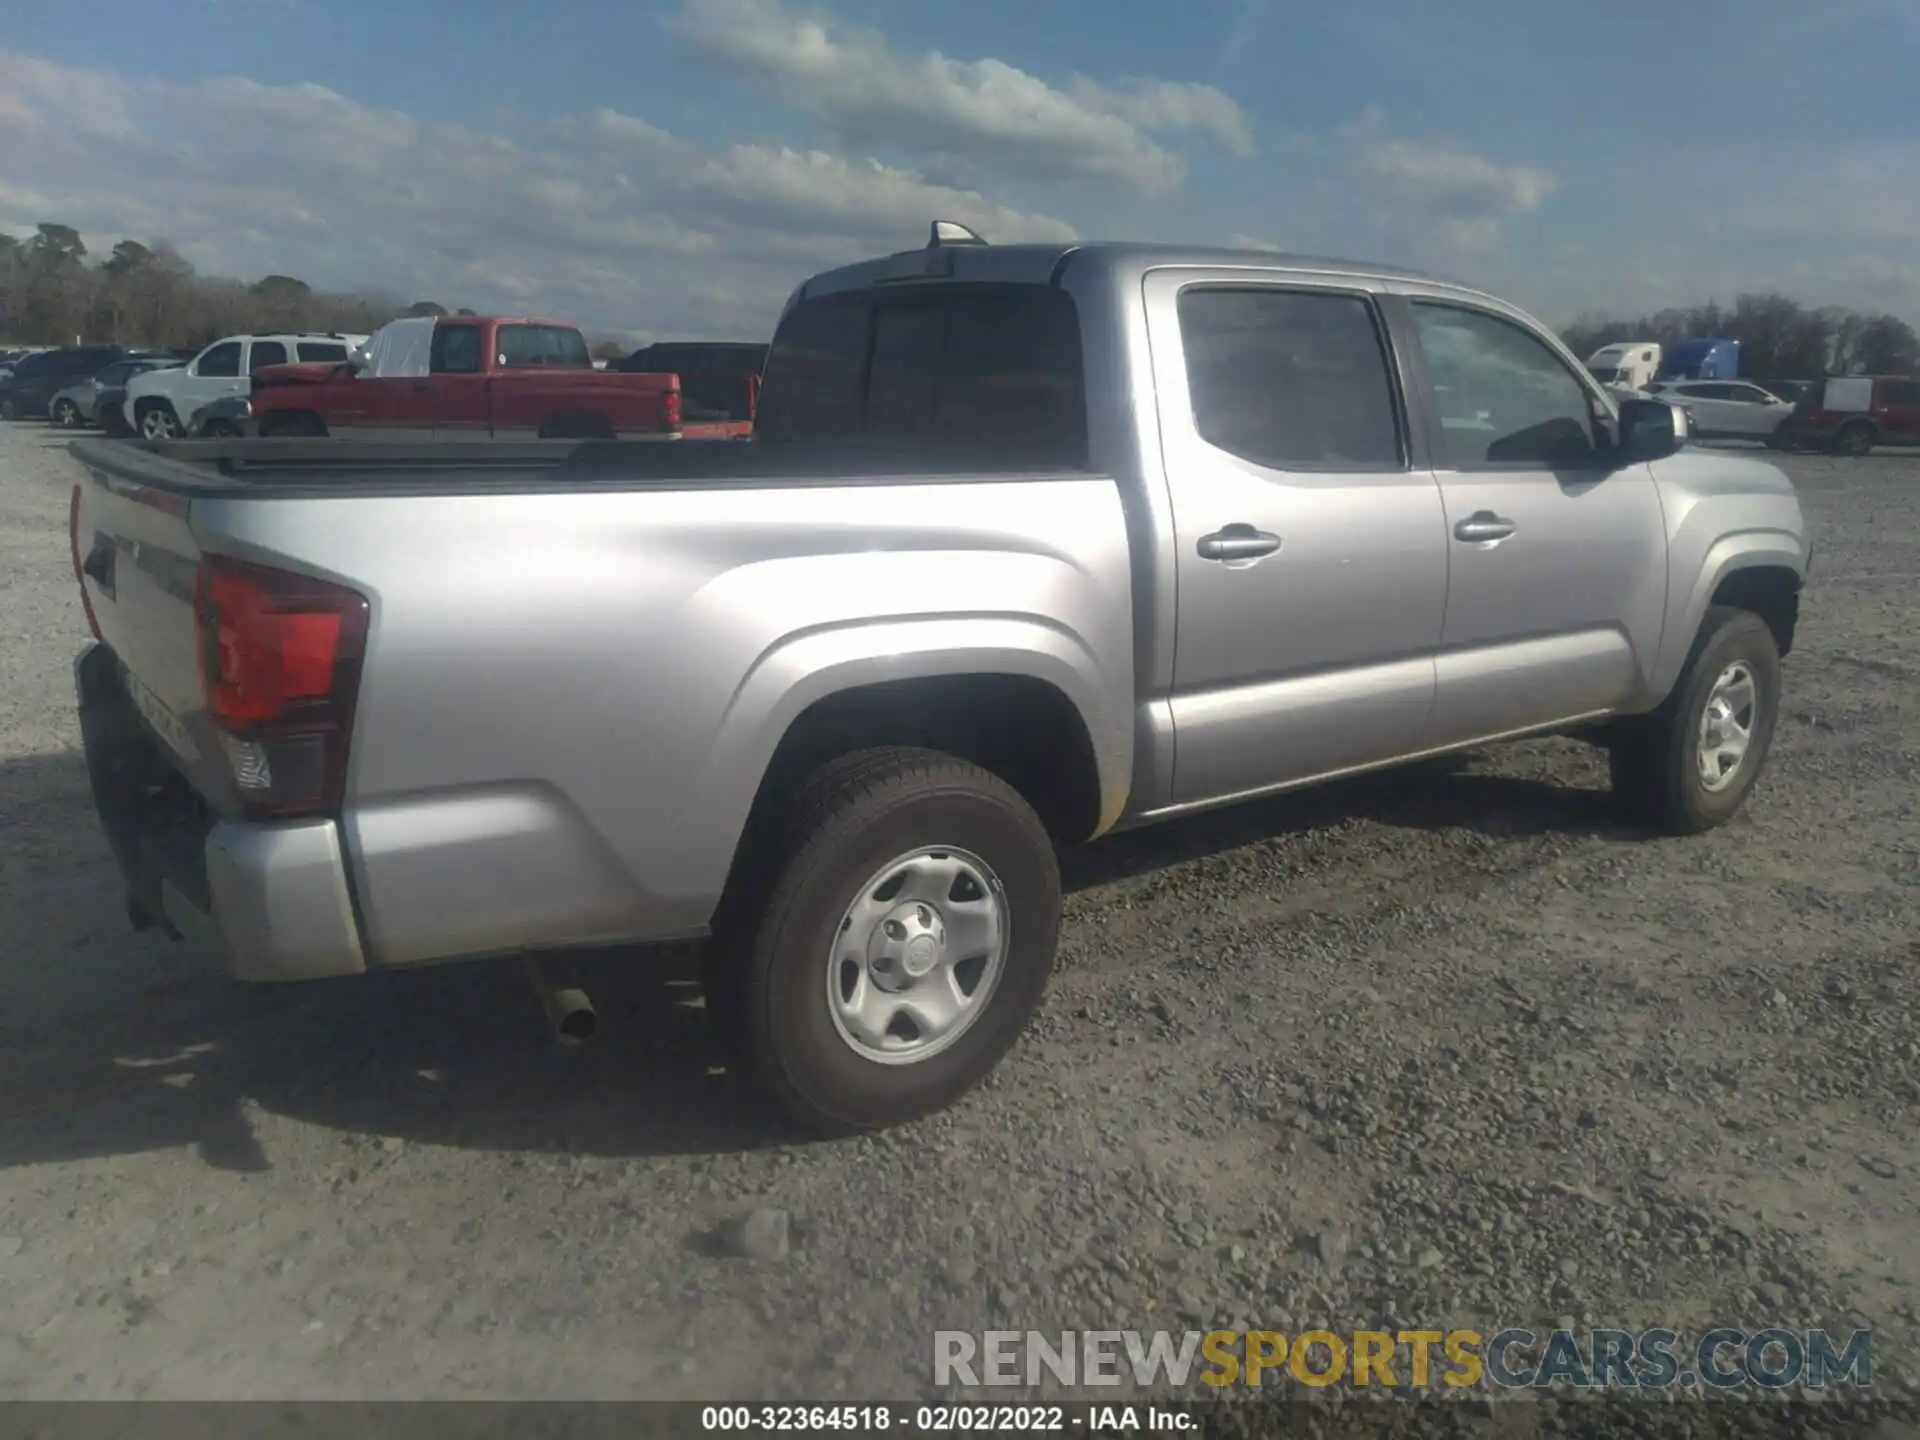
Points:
point(977, 115)
point(604, 218)
point(1453, 183)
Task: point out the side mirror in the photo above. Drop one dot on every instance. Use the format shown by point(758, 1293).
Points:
point(1651, 429)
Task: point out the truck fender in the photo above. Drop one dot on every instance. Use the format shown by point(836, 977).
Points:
point(809, 666)
point(1742, 550)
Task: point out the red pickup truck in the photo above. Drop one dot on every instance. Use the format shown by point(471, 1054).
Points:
point(466, 376)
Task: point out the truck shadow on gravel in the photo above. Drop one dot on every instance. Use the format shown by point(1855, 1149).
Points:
point(112, 1043)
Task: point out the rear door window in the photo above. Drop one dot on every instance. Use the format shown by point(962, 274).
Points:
point(1290, 379)
point(319, 352)
point(264, 353)
point(1900, 392)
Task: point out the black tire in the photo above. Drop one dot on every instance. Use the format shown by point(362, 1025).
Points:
point(1855, 438)
point(1654, 759)
point(220, 430)
point(768, 971)
point(9, 409)
point(157, 420)
point(66, 415)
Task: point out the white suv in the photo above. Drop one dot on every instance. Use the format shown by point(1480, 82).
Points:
point(161, 402)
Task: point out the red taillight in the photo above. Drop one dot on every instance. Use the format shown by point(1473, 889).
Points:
point(280, 671)
point(670, 412)
point(79, 574)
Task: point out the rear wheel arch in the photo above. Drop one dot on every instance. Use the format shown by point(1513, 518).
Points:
point(1021, 728)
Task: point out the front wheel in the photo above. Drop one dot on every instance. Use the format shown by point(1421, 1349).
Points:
point(66, 415)
point(892, 944)
point(1689, 765)
point(158, 422)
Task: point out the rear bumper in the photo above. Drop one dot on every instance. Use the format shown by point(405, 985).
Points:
point(271, 901)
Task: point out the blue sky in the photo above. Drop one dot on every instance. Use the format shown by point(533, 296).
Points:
point(675, 167)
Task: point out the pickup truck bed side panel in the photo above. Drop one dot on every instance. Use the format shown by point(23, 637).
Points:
point(586, 775)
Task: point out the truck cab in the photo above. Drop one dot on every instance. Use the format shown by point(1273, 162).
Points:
point(1628, 365)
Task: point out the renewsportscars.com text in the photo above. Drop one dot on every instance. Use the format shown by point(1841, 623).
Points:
point(1722, 1358)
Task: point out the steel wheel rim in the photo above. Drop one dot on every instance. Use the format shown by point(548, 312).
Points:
point(64, 414)
point(918, 955)
point(155, 425)
point(1727, 723)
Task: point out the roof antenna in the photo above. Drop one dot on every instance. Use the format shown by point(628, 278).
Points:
point(951, 232)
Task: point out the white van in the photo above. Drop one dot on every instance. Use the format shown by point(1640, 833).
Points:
point(1629, 365)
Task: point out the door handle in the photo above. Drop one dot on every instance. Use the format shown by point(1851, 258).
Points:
point(1483, 525)
point(1237, 542)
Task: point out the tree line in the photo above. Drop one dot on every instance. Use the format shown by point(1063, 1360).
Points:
point(1780, 339)
point(52, 292)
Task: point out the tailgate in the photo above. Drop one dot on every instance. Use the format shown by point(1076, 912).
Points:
point(138, 560)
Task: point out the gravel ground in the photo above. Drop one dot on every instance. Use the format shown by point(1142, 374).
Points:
point(1446, 1047)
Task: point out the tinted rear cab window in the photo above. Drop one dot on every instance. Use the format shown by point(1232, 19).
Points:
point(980, 370)
point(1290, 379)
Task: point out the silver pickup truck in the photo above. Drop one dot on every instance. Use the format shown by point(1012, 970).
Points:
point(1033, 543)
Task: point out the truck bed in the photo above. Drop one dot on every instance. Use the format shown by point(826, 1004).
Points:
point(316, 468)
point(575, 662)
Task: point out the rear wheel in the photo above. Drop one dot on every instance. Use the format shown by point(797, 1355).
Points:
point(157, 420)
point(220, 430)
point(8, 409)
point(892, 941)
point(66, 414)
point(1689, 765)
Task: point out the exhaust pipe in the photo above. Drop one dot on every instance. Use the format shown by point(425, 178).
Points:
point(569, 1012)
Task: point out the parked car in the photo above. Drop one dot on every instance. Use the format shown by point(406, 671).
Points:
point(158, 403)
point(80, 404)
point(1034, 543)
point(1852, 415)
point(719, 383)
point(36, 379)
point(1727, 409)
point(449, 376)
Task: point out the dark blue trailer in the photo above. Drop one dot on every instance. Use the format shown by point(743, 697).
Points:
point(1701, 360)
